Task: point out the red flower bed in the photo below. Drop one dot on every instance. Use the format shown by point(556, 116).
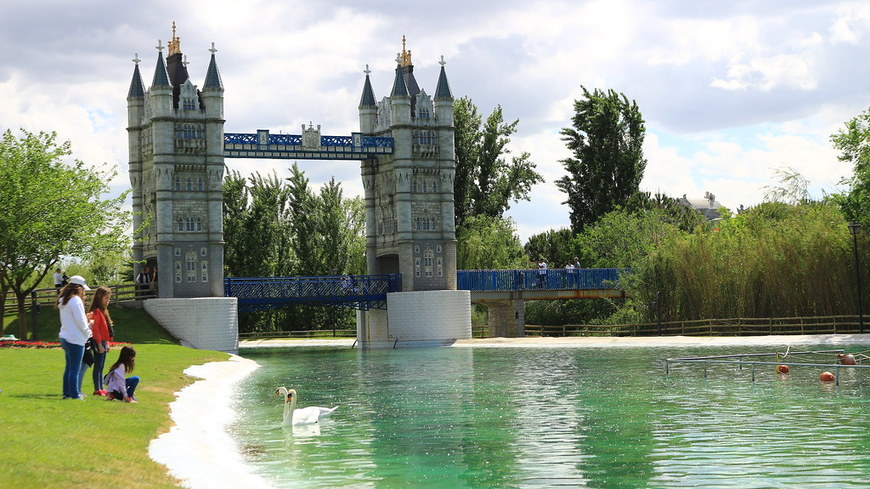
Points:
point(41, 344)
point(28, 344)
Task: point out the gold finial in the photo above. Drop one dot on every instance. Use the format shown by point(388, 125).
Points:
point(406, 55)
point(175, 43)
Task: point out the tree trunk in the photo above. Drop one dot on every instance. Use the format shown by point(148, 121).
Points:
point(22, 316)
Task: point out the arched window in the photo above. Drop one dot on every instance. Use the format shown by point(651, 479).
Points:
point(177, 183)
point(200, 184)
point(180, 224)
point(189, 183)
point(199, 224)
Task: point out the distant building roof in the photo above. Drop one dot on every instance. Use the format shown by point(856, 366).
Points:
point(708, 206)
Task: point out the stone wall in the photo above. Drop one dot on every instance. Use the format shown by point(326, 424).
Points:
point(204, 323)
point(423, 318)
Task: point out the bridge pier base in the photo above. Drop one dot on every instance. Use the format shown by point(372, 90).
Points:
point(507, 318)
point(204, 323)
point(414, 319)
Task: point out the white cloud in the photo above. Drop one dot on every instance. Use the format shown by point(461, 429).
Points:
point(728, 90)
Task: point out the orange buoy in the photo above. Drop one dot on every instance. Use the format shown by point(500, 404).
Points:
point(782, 369)
point(847, 359)
point(826, 377)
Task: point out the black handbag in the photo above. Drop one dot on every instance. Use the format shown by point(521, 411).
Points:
point(90, 348)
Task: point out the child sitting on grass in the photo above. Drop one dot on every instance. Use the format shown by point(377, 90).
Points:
point(116, 384)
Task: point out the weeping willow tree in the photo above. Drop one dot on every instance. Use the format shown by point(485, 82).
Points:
point(774, 260)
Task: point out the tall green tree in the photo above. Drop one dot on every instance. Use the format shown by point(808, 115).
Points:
point(853, 142)
point(255, 217)
point(51, 208)
point(341, 223)
point(307, 242)
point(553, 245)
point(486, 182)
point(486, 242)
point(607, 165)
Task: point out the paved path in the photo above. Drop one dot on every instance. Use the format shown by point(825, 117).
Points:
point(601, 341)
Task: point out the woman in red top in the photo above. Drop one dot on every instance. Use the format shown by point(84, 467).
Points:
point(100, 314)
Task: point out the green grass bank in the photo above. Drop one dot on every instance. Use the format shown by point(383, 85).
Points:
point(46, 441)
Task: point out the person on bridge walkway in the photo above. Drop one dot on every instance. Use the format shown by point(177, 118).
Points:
point(577, 272)
point(542, 274)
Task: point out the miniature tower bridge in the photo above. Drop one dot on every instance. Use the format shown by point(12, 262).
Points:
point(406, 149)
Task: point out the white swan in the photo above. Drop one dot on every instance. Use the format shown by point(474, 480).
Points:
point(293, 416)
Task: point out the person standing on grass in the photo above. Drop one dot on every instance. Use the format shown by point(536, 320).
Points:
point(58, 280)
point(75, 329)
point(99, 314)
point(117, 385)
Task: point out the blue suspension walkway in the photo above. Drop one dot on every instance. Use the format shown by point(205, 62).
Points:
point(370, 291)
point(351, 291)
point(292, 146)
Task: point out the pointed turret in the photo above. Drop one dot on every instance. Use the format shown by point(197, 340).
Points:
point(368, 95)
point(212, 76)
point(444, 101)
point(442, 90)
point(161, 77)
point(368, 108)
point(137, 88)
point(213, 92)
point(399, 87)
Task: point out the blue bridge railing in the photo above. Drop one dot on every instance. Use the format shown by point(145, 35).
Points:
point(370, 291)
point(553, 279)
point(350, 291)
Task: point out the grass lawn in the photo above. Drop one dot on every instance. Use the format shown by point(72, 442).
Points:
point(46, 441)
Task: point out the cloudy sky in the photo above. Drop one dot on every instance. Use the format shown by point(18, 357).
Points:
point(730, 91)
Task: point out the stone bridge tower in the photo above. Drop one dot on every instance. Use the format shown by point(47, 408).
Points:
point(409, 194)
point(409, 213)
point(176, 171)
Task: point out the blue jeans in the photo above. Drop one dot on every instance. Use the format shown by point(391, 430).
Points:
point(73, 354)
point(131, 382)
point(99, 363)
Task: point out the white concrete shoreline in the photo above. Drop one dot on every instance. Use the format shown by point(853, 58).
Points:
point(199, 451)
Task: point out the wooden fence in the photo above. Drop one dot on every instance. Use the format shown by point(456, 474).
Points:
point(48, 297)
point(701, 327)
point(710, 327)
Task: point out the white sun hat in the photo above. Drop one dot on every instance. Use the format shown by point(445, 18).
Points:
point(79, 280)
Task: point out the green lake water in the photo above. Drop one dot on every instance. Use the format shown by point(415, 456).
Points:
point(551, 417)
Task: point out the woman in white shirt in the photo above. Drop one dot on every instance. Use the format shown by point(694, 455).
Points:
point(75, 329)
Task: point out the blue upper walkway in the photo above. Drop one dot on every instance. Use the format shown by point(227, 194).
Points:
point(370, 291)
